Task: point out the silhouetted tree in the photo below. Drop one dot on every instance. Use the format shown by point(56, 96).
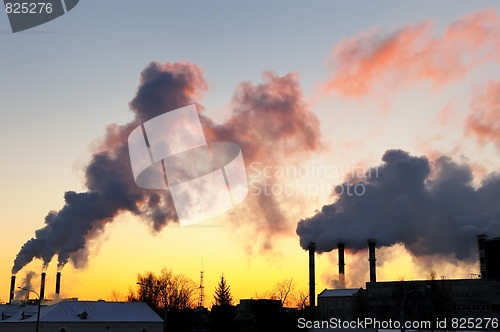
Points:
point(301, 299)
point(117, 296)
point(176, 291)
point(223, 312)
point(148, 290)
point(222, 294)
point(283, 289)
point(432, 275)
point(170, 290)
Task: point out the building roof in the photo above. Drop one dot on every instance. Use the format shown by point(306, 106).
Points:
point(338, 292)
point(81, 311)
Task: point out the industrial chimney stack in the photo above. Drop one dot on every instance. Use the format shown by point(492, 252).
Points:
point(341, 247)
point(12, 288)
point(482, 262)
point(312, 278)
point(58, 283)
point(42, 287)
point(373, 260)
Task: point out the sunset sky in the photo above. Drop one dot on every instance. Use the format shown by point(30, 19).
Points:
point(352, 81)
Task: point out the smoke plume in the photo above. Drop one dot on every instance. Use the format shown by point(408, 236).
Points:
point(273, 125)
point(26, 284)
point(111, 187)
point(270, 121)
point(432, 209)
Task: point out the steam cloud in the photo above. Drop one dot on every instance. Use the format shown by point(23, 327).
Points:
point(111, 187)
point(273, 125)
point(269, 121)
point(432, 209)
point(26, 283)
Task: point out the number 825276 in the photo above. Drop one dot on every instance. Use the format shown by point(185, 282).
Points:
point(474, 323)
point(28, 8)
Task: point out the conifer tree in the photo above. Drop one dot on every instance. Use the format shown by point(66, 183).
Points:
point(222, 294)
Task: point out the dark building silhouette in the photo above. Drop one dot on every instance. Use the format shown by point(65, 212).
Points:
point(489, 252)
point(261, 315)
point(419, 300)
point(431, 299)
point(344, 304)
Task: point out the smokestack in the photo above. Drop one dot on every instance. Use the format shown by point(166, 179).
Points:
point(12, 288)
point(58, 283)
point(312, 278)
point(373, 260)
point(482, 262)
point(341, 247)
point(42, 287)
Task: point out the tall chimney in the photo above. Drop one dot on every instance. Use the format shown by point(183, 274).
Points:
point(482, 262)
point(341, 247)
point(373, 260)
point(312, 279)
point(42, 287)
point(58, 283)
point(12, 288)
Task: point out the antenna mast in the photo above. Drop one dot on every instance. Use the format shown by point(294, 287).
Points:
point(202, 287)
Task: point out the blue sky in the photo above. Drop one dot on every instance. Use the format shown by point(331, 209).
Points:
point(92, 56)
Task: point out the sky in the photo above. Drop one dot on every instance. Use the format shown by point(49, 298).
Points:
point(347, 81)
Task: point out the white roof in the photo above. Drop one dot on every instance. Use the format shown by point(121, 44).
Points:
point(74, 311)
point(338, 292)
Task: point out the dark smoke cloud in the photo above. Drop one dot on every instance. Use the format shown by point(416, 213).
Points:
point(433, 209)
point(270, 122)
point(111, 187)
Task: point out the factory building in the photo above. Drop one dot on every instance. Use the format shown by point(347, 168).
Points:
point(344, 304)
point(431, 299)
point(489, 258)
point(418, 299)
point(81, 316)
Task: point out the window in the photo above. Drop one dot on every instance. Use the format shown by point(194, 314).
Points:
point(5, 316)
point(25, 315)
point(83, 315)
